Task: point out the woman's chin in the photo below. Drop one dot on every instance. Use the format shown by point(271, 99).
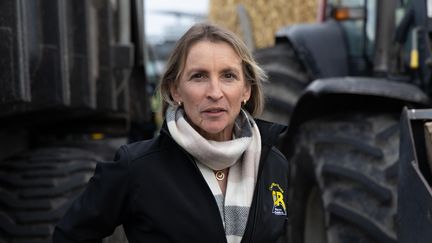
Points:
point(215, 132)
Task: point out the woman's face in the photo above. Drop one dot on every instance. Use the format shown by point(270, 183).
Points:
point(212, 88)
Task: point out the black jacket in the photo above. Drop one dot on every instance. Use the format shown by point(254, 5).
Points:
point(157, 192)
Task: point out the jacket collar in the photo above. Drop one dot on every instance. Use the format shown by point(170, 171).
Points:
point(271, 133)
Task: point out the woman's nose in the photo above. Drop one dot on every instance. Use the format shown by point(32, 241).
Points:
point(214, 91)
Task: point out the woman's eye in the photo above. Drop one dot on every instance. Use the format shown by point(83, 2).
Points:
point(197, 76)
point(230, 76)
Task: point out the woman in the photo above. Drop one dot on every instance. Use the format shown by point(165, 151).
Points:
point(212, 175)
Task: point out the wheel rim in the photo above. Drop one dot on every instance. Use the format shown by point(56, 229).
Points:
point(315, 230)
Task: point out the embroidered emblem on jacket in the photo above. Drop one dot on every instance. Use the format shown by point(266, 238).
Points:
point(278, 199)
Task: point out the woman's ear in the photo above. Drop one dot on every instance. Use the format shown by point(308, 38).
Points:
point(174, 93)
point(247, 92)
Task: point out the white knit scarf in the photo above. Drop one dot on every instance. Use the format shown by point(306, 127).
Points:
point(241, 155)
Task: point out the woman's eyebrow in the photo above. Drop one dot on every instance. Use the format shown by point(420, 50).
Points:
point(192, 70)
point(195, 70)
point(231, 69)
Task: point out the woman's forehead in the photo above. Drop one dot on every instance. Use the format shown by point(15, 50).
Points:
point(204, 52)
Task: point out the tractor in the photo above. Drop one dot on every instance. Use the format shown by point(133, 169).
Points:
point(415, 176)
point(341, 85)
point(73, 87)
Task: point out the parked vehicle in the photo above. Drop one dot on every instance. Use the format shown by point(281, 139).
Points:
point(341, 85)
point(72, 88)
point(415, 177)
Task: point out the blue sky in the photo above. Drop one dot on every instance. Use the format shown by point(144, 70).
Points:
point(156, 23)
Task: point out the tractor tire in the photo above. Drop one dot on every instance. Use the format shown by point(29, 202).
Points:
point(38, 187)
point(344, 179)
point(287, 80)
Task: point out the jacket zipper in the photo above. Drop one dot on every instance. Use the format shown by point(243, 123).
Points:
point(209, 190)
point(258, 187)
point(201, 176)
point(258, 191)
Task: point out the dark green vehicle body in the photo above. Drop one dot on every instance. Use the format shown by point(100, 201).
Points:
point(351, 78)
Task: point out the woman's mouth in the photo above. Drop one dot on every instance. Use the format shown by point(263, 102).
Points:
point(214, 111)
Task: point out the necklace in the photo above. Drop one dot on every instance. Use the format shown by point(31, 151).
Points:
point(220, 175)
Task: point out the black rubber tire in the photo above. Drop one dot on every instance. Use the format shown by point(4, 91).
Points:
point(287, 80)
point(343, 181)
point(38, 187)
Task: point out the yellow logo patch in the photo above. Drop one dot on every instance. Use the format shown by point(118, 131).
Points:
point(278, 199)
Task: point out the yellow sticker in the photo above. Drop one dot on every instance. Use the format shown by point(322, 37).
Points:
point(279, 207)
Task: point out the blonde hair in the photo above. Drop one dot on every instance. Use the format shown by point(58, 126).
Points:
point(254, 75)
